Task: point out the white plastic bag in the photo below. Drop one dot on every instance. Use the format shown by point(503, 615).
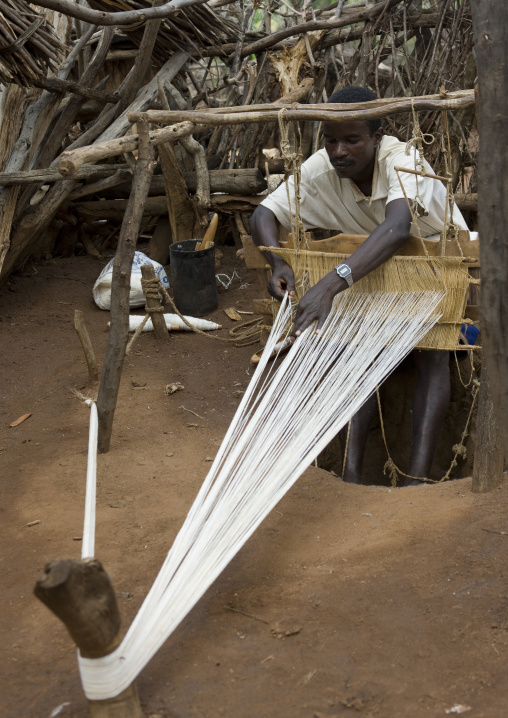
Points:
point(102, 287)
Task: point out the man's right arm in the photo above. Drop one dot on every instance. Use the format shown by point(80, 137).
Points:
point(265, 233)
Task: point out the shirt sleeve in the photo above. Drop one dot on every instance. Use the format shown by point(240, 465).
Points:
point(277, 202)
point(402, 185)
point(311, 199)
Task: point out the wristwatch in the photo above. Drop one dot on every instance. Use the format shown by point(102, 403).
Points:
point(344, 271)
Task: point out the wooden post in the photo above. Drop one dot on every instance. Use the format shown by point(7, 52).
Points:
point(488, 456)
point(84, 338)
point(490, 23)
point(153, 304)
point(81, 595)
point(119, 330)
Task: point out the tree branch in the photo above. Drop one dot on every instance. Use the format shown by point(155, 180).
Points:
point(98, 17)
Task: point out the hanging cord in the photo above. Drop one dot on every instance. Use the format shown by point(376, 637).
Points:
point(458, 449)
point(416, 142)
point(243, 335)
point(459, 372)
point(449, 225)
point(293, 164)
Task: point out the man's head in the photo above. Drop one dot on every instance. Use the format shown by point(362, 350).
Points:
point(351, 146)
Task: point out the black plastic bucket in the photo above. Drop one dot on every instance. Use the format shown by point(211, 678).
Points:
point(193, 278)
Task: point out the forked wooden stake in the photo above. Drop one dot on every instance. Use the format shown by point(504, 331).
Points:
point(84, 338)
point(81, 595)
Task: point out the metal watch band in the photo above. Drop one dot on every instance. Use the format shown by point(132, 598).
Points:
point(344, 271)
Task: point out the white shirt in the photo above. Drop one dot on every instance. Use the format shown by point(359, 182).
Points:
point(330, 202)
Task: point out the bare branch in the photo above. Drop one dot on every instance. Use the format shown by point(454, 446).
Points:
point(98, 17)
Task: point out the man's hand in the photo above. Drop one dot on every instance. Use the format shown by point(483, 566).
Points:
point(317, 303)
point(282, 281)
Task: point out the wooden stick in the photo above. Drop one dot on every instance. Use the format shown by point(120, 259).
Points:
point(117, 341)
point(81, 595)
point(84, 338)
point(115, 179)
point(153, 304)
point(340, 107)
point(53, 84)
point(128, 17)
point(325, 114)
point(45, 175)
point(422, 174)
point(210, 233)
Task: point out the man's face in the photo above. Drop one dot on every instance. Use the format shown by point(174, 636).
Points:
point(351, 148)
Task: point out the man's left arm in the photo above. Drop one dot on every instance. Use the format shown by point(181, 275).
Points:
point(379, 246)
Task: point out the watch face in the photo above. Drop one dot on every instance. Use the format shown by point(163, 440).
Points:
point(343, 271)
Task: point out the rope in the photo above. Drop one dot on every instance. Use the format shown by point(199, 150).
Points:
point(243, 335)
point(292, 164)
point(458, 449)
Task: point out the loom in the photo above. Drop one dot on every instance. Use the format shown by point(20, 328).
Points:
point(266, 449)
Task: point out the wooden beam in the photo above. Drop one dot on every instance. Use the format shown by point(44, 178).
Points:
point(488, 451)
point(322, 113)
point(114, 209)
point(118, 335)
point(490, 24)
point(46, 175)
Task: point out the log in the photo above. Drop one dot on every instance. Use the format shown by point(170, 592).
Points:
point(488, 454)
point(126, 17)
point(235, 181)
point(490, 24)
point(81, 595)
point(45, 175)
point(53, 84)
point(96, 187)
point(324, 114)
point(466, 202)
point(158, 246)
point(84, 338)
point(114, 209)
point(118, 335)
point(153, 304)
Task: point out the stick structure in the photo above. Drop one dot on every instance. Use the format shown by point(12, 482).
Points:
point(286, 417)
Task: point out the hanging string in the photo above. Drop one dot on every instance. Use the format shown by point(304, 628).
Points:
point(293, 165)
point(459, 449)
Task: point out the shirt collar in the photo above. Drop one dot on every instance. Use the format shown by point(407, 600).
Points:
point(378, 189)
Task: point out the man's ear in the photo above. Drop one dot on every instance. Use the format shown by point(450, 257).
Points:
point(378, 136)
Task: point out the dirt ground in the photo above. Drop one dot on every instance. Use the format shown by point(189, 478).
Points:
point(395, 600)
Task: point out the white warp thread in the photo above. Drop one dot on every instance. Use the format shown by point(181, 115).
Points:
point(88, 545)
point(286, 417)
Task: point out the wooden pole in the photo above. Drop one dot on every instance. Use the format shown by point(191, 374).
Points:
point(84, 338)
point(488, 455)
point(490, 23)
point(324, 113)
point(81, 595)
point(118, 335)
point(153, 304)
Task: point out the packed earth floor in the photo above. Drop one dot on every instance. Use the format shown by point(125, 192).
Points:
point(347, 600)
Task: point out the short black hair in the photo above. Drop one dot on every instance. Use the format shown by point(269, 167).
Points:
point(355, 93)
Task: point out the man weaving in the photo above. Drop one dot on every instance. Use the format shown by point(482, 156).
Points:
point(351, 186)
